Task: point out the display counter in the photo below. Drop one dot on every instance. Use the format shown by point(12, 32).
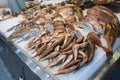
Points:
point(21, 66)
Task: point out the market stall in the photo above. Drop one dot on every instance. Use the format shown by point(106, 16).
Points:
point(60, 42)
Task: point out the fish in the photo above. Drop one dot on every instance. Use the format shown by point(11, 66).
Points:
point(90, 50)
point(67, 70)
point(10, 29)
point(75, 51)
point(33, 42)
point(67, 52)
point(35, 45)
point(68, 60)
point(41, 49)
point(46, 41)
point(97, 41)
point(68, 47)
point(72, 44)
point(46, 52)
point(66, 39)
point(50, 56)
point(58, 42)
point(73, 62)
point(16, 35)
point(68, 42)
point(56, 61)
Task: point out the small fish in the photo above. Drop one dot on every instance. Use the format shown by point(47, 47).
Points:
point(68, 47)
point(35, 45)
point(41, 49)
point(57, 42)
point(32, 34)
point(66, 39)
point(73, 62)
point(67, 52)
point(75, 51)
point(33, 42)
point(68, 42)
point(46, 52)
point(68, 60)
point(97, 41)
point(13, 27)
point(67, 70)
point(56, 61)
point(90, 50)
point(46, 41)
point(50, 56)
point(16, 35)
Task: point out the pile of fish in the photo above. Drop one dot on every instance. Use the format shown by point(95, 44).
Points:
point(68, 49)
point(55, 33)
